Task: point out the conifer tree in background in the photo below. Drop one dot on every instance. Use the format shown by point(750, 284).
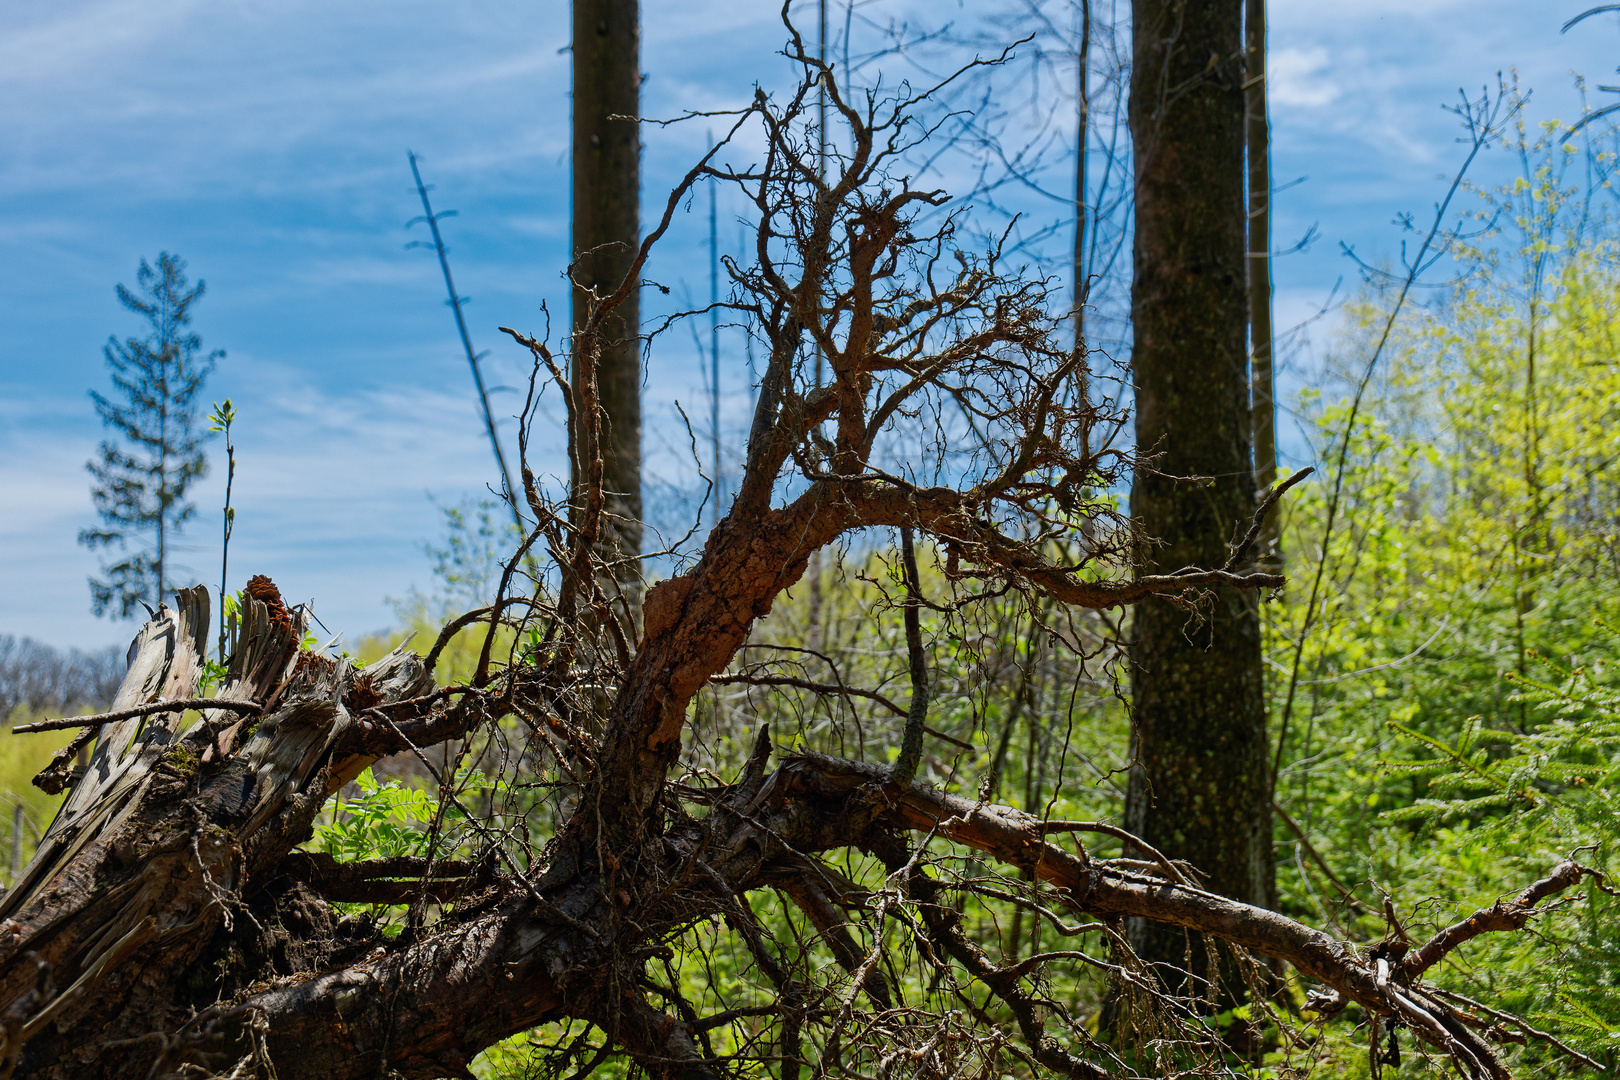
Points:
point(142, 478)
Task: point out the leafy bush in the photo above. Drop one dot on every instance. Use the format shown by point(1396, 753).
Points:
point(386, 820)
point(1534, 795)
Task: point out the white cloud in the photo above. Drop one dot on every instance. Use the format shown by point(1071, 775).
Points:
point(68, 41)
point(1316, 13)
point(332, 493)
point(1300, 77)
point(265, 140)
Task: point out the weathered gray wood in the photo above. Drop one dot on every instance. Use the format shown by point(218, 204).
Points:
point(152, 850)
point(165, 663)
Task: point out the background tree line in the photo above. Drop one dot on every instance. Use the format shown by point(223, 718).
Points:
point(38, 678)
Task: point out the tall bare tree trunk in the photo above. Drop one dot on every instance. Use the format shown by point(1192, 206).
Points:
point(170, 924)
point(1082, 284)
point(606, 233)
point(1262, 399)
point(1198, 787)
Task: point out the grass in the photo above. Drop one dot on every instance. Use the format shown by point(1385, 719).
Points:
point(21, 757)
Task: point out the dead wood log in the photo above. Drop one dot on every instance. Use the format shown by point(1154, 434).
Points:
point(153, 849)
point(168, 925)
point(176, 864)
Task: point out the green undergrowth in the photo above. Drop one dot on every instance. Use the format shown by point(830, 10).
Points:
point(21, 759)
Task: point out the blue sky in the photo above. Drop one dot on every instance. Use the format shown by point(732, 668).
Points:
point(265, 140)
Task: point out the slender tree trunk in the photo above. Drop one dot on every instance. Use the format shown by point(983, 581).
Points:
point(1262, 399)
point(163, 481)
point(606, 233)
point(1198, 786)
point(1082, 285)
point(814, 636)
point(714, 348)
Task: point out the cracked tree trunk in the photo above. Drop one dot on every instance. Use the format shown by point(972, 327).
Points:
point(169, 923)
point(151, 853)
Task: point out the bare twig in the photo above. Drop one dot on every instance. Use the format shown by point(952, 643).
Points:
point(911, 743)
point(252, 708)
point(1508, 1018)
point(1502, 915)
point(1129, 838)
point(1260, 514)
point(1316, 857)
point(833, 688)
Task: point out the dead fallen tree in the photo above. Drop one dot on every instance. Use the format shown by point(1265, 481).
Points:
point(178, 852)
point(171, 925)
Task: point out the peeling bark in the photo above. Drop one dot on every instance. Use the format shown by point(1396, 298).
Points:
point(170, 923)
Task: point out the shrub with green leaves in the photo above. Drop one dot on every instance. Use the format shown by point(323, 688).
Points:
point(386, 820)
point(1532, 796)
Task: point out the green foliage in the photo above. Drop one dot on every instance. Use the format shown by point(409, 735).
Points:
point(1442, 739)
point(221, 416)
point(1527, 796)
point(25, 755)
point(140, 485)
point(389, 818)
point(385, 820)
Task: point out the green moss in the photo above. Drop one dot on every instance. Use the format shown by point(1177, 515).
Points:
point(182, 758)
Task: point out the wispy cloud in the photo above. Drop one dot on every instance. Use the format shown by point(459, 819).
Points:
point(332, 490)
point(1300, 78)
point(264, 140)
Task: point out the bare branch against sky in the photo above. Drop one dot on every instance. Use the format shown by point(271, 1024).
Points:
point(266, 146)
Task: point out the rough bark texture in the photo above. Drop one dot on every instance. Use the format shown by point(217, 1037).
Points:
point(1199, 789)
point(150, 856)
point(186, 931)
point(606, 236)
point(168, 924)
point(1262, 394)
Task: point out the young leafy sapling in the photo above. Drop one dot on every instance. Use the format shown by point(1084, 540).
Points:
point(220, 419)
